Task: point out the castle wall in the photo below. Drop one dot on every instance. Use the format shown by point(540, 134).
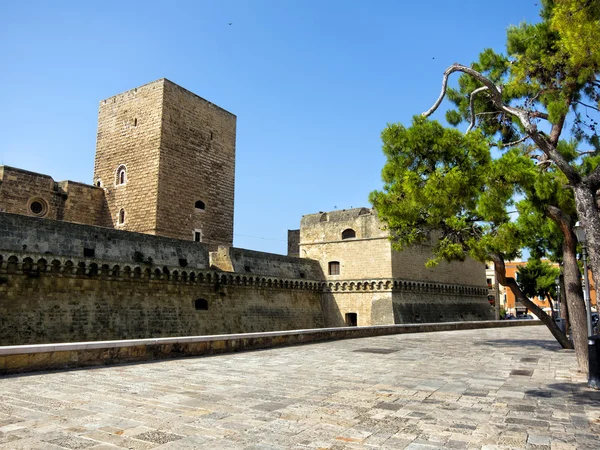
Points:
point(395, 301)
point(450, 304)
point(367, 255)
point(197, 163)
point(71, 299)
point(55, 238)
point(19, 187)
point(83, 204)
point(252, 262)
point(129, 133)
point(409, 264)
point(64, 200)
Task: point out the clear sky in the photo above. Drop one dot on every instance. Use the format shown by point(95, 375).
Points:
point(312, 82)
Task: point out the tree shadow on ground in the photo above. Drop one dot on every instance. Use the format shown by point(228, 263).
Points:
point(521, 343)
point(578, 393)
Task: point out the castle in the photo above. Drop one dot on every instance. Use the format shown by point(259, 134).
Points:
point(146, 251)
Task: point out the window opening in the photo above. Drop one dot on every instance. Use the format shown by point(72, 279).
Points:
point(38, 207)
point(351, 319)
point(197, 236)
point(121, 174)
point(122, 216)
point(348, 234)
point(200, 205)
point(334, 268)
point(135, 122)
point(89, 252)
point(201, 305)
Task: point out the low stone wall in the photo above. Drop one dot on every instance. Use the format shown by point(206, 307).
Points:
point(30, 358)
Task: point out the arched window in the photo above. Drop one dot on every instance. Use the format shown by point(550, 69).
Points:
point(99, 182)
point(199, 205)
point(348, 234)
point(121, 216)
point(121, 174)
point(334, 267)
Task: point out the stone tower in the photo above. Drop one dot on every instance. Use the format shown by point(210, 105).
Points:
point(166, 159)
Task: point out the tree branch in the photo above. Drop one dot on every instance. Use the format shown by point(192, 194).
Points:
point(586, 105)
point(509, 144)
point(472, 105)
point(524, 117)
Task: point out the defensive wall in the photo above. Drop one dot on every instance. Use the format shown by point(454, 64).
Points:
point(64, 282)
point(29, 358)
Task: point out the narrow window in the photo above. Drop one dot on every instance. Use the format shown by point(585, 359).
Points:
point(121, 174)
point(135, 122)
point(351, 319)
point(200, 205)
point(99, 183)
point(348, 234)
point(201, 305)
point(334, 268)
point(197, 236)
point(121, 216)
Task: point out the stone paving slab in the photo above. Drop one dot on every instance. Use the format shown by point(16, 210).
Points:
point(507, 388)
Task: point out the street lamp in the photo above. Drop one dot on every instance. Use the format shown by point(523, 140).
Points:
point(558, 319)
point(593, 360)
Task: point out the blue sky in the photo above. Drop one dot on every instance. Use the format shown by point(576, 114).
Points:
point(312, 82)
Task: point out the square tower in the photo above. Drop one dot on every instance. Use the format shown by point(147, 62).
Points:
point(166, 159)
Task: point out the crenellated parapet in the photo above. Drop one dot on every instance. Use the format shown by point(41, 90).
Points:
point(36, 265)
point(399, 285)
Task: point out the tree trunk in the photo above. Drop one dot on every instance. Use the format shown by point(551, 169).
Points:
point(551, 305)
point(514, 287)
point(573, 288)
point(564, 308)
point(589, 216)
point(575, 303)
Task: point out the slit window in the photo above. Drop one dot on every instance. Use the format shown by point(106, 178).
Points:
point(121, 216)
point(348, 234)
point(334, 267)
point(197, 236)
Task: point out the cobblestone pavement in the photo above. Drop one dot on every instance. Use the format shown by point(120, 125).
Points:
point(498, 388)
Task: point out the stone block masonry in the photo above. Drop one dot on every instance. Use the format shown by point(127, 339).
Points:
point(52, 238)
point(63, 299)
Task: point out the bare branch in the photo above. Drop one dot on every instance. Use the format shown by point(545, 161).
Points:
point(524, 116)
point(472, 105)
point(587, 106)
point(538, 115)
point(509, 144)
point(589, 152)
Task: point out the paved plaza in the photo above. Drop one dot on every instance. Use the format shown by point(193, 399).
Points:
point(494, 388)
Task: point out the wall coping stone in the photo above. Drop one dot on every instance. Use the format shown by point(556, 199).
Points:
point(393, 329)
